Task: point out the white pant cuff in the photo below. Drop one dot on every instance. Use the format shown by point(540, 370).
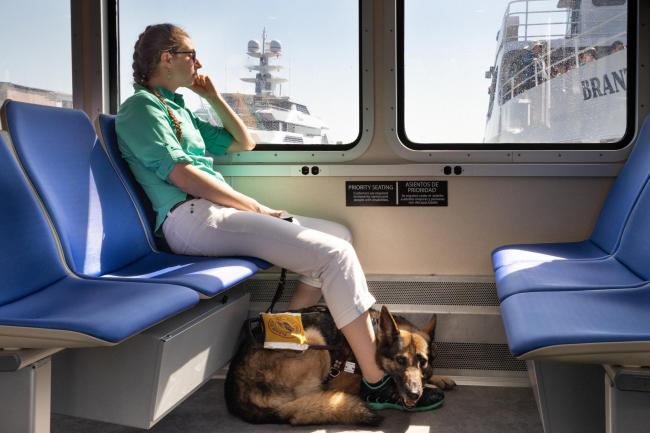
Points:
point(344, 318)
point(310, 281)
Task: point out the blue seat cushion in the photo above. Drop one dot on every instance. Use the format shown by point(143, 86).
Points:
point(108, 310)
point(97, 223)
point(543, 319)
point(564, 275)
point(634, 249)
point(207, 275)
point(27, 242)
point(512, 254)
point(106, 124)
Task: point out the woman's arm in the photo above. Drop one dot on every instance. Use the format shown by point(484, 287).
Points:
point(243, 140)
point(196, 182)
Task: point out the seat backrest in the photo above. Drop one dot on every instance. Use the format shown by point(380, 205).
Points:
point(106, 126)
point(634, 250)
point(624, 194)
point(29, 259)
point(97, 222)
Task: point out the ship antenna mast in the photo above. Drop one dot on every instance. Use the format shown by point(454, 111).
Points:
point(265, 83)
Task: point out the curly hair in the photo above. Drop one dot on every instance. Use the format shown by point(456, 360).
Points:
point(155, 40)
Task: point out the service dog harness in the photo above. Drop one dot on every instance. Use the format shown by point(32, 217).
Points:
point(285, 331)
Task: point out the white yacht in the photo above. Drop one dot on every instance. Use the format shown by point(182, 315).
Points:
point(560, 74)
point(270, 117)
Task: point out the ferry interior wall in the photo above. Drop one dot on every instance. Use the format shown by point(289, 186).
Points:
point(529, 243)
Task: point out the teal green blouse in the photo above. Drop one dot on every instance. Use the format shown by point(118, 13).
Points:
point(147, 140)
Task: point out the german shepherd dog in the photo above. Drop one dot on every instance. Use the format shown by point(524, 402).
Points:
point(285, 386)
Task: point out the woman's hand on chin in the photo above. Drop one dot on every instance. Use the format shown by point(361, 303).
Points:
point(204, 87)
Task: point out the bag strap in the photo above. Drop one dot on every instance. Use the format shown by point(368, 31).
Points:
point(279, 290)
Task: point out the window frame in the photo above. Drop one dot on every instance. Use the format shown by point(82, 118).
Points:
point(499, 152)
point(280, 153)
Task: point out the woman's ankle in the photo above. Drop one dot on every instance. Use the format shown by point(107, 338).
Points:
point(374, 377)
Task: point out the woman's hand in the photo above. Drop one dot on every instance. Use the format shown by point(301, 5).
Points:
point(204, 87)
point(264, 210)
point(243, 140)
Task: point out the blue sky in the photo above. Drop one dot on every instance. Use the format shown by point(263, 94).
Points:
point(36, 44)
point(447, 51)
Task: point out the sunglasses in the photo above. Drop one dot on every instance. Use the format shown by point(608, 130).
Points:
point(192, 53)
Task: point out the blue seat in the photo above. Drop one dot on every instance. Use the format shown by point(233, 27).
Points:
point(567, 275)
point(548, 252)
point(534, 321)
point(591, 309)
point(606, 236)
point(582, 306)
point(614, 257)
point(101, 232)
point(43, 306)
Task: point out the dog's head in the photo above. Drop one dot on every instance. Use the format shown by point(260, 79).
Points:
point(406, 354)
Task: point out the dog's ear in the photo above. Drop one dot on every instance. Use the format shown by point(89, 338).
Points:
point(387, 324)
point(430, 327)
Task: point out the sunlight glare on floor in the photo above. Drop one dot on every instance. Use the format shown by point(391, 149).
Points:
point(418, 429)
point(411, 429)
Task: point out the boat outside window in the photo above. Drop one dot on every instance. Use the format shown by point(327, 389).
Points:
point(279, 64)
point(36, 69)
point(556, 75)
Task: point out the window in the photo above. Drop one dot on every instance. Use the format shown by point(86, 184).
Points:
point(609, 2)
point(290, 69)
point(36, 68)
point(555, 77)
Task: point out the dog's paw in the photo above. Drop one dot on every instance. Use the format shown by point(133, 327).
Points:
point(442, 382)
point(370, 419)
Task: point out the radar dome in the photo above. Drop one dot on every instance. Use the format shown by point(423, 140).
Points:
point(275, 46)
point(253, 46)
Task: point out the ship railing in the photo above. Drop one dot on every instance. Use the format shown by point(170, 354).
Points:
point(261, 104)
point(540, 7)
point(539, 74)
point(299, 107)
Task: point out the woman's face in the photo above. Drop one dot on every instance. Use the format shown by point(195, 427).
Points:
point(184, 64)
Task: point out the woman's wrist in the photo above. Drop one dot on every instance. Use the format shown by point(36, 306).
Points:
point(250, 204)
point(257, 207)
point(215, 98)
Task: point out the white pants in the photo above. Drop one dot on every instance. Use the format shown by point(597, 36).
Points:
point(318, 250)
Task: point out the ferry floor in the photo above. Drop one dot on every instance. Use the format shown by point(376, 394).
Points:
point(467, 409)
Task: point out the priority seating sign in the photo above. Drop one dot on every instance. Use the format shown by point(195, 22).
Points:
point(396, 193)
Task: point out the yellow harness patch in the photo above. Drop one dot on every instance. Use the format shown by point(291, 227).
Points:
point(284, 331)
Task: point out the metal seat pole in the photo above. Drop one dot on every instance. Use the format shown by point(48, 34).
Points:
point(25, 398)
